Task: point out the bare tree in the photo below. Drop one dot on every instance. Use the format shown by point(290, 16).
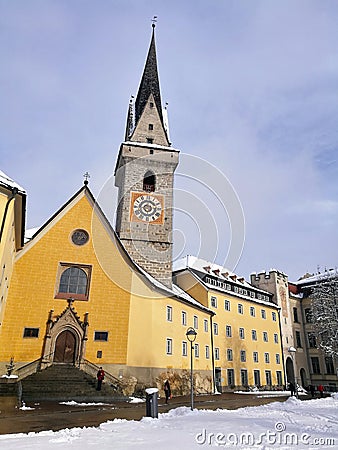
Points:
point(325, 312)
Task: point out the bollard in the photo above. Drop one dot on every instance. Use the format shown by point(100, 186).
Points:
point(152, 403)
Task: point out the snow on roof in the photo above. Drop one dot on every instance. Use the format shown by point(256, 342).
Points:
point(317, 277)
point(166, 121)
point(175, 290)
point(8, 182)
point(148, 145)
point(207, 267)
point(224, 276)
point(30, 233)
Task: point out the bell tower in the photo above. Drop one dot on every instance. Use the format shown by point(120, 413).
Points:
point(144, 175)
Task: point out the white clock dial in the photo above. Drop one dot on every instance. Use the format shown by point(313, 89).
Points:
point(147, 208)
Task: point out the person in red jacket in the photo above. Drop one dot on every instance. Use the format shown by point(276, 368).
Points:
point(100, 378)
point(321, 390)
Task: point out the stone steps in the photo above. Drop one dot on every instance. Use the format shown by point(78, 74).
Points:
point(64, 383)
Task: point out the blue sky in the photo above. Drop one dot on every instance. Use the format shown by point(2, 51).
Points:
point(251, 86)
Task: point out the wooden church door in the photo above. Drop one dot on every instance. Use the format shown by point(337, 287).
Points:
point(65, 348)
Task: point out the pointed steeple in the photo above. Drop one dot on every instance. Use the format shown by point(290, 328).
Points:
point(130, 120)
point(149, 83)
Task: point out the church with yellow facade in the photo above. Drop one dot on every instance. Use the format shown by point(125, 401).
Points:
point(85, 293)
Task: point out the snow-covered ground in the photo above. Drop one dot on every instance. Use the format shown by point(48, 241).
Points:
point(293, 424)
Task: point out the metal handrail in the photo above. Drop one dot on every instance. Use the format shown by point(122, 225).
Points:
point(95, 368)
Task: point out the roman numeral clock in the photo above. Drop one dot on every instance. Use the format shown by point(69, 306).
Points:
point(146, 208)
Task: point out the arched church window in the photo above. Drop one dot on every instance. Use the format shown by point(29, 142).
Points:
point(149, 182)
point(73, 282)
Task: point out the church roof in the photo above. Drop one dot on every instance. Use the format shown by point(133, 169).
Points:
point(149, 83)
point(175, 291)
point(215, 277)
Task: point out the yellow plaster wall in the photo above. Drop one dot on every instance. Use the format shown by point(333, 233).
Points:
point(7, 251)
point(33, 288)
point(149, 329)
point(249, 323)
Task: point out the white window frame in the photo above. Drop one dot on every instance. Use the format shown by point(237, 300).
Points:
point(267, 357)
point(252, 311)
point(240, 308)
point(241, 333)
point(255, 357)
point(184, 318)
point(263, 313)
point(196, 322)
point(275, 338)
point(227, 305)
point(213, 301)
point(215, 329)
point(169, 346)
point(265, 336)
point(228, 331)
point(216, 353)
point(169, 313)
point(230, 355)
point(243, 356)
point(207, 352)
point(197, 350)
point(254, 335)
point(206, 325)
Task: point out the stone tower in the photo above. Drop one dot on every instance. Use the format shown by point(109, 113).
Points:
point(276, 283)
point(144, 175)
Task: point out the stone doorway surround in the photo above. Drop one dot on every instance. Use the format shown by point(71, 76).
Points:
point(65, 338)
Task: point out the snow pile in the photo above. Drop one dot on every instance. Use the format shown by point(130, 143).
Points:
point(136, 400)
point(73, 403)
point(293, 424)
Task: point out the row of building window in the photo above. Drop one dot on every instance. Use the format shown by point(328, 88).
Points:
point(307, 312)
point(229, 353)
point(240, 309)
point(329, 366)
point(241, 332)
point(237, 289)
point(34, 333)
point(256, 377)
point(169, 314)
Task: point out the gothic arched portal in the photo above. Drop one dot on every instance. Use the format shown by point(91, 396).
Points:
point(65, 348)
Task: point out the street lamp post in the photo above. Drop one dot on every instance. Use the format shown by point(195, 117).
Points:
point(292, 352)
point(191, 336)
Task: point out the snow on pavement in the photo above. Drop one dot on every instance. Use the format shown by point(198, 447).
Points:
point(293, 424)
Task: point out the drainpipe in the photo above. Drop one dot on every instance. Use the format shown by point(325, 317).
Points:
point(212, 354)
point(14, 192)
point(281, 346)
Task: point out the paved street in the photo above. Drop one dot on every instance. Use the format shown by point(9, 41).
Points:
point(53, 416)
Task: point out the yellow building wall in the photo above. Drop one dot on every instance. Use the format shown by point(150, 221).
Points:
point(149, 330)
point(34, 285)
point(249, 323)
point(7, 251)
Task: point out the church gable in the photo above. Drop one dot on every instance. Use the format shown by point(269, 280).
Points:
point(69, 258)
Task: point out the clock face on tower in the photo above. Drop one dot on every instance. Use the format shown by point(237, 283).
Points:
point(146, 208)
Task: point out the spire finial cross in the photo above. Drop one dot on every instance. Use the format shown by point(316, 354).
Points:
point(86, 176)
point(154, 21)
